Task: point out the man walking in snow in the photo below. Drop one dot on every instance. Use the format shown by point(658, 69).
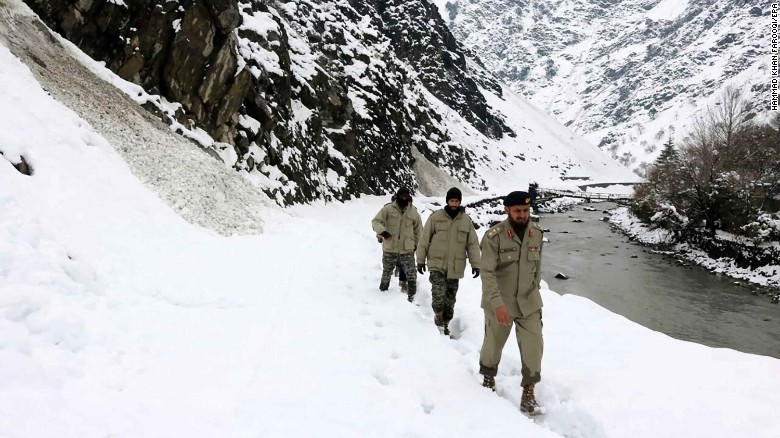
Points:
point(511, 272)
point(400, 272)
point(400, 226)
point(447, 238)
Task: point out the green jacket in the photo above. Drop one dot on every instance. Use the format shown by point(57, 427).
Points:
point(445, 242)
point(512, 269)
point(404, 227)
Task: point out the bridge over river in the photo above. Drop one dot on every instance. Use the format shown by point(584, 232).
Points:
point(547, 194)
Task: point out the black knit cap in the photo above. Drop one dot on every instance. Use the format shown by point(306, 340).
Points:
point(402, 191)
point(517, 198)
point(453, 193)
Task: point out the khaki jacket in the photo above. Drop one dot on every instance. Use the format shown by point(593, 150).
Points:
point(511, 269)
point(445, 242)
point(404, 227)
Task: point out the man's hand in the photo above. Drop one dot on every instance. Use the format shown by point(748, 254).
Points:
point(421, 268)
point(502, 315)
point(386, 235)
point(475, 272)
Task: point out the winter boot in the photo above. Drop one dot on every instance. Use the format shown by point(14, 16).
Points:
point(528, 403)
point(384, 286)
point(402, 284)
point(410, 298)
point(489, 382)
point(446, 330)
point(437, 319)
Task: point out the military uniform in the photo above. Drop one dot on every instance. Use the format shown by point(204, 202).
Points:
point(445, 243)
point(511, 272)
point(404, 226)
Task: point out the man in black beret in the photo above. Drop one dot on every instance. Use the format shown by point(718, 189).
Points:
point(511, 272)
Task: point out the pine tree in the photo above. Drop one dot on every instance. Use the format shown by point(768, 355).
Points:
point(668, 153)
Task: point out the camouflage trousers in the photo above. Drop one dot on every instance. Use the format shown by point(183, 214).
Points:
point(443, 293)
point(406, 261)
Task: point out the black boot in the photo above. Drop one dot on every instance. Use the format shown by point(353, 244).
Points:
point(528, 403)
point(489, 382)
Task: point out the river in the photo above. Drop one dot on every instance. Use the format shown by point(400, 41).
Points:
point(687, 303)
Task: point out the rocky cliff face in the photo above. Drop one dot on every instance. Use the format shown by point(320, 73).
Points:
point(310, 99)
point(626, 74)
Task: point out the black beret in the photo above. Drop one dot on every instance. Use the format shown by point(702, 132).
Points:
point(454, 193)
point(517, 198)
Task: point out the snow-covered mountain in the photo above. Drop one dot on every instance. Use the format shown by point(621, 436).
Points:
point(625, 74)
point(325, 99)
point(118, 318)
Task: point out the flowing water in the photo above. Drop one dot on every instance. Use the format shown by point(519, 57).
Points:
point(687, 303)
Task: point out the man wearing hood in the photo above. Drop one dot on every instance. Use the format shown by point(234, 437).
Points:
point(447, 238)
point(400, 225)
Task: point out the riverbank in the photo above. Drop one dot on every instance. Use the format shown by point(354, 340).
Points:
point(766, 277)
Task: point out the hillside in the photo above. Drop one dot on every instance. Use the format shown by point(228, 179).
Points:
point(626, 75)
point(323, 100)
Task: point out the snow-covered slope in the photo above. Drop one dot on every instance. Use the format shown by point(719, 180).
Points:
point(625, 74)
point(336, 113)
point(199, 188)
point(118, 318)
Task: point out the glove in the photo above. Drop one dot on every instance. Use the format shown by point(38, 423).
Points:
point(385, 234)
point(421, 268)
point(475, 271)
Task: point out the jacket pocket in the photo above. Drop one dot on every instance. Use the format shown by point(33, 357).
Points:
point(393, 223)
point(460, 265)
point(440, 230)
point(510, 254)
point(463, 235)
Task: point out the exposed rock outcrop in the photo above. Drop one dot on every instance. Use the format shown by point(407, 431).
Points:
point(316, 99)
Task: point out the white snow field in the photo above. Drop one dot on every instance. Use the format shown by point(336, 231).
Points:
point(119, 318)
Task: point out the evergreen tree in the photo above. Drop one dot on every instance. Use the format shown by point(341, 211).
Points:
point(668, 153)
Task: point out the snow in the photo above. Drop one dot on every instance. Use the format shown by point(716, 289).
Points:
point(119, 318)
point(667, 10)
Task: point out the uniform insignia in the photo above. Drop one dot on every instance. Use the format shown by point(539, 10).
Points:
point(509, 233)
point(533, 248)
point(530, 233)
point(527, 200)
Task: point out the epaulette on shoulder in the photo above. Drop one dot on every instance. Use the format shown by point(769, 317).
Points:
point(493, 232)
point(535, 225)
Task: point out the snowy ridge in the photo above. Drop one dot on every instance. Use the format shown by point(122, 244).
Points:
point(626, 75)
point(340, 97)
point(119, 318)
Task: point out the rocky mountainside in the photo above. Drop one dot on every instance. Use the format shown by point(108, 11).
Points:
point(626, 74)
point(311, 99)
